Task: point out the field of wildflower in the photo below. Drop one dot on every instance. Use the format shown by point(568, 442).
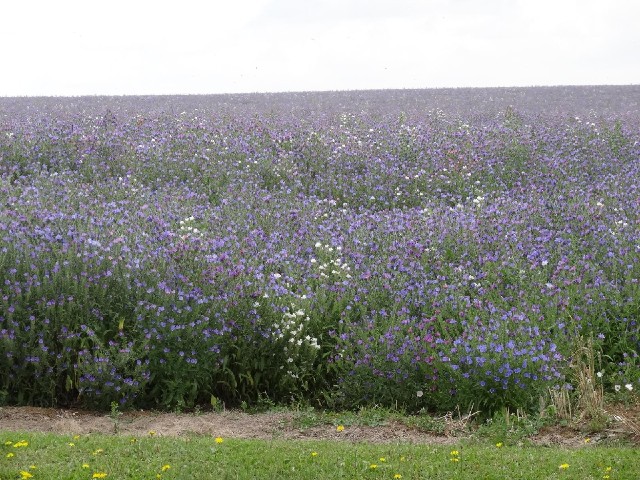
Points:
point(422, 249)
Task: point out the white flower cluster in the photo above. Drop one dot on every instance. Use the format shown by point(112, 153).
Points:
point(335, 266)
point(616, 387)
point(628, 386)
point(291, 329)
point(187, 228)
point(478, 200)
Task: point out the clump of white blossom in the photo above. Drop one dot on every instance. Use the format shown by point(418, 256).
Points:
point(291, 331)
point(187, 227)
point(331, 265)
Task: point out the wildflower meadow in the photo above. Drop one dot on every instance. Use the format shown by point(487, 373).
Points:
point(423, 249)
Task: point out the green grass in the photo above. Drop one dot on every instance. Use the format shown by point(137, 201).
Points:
point(197, 457)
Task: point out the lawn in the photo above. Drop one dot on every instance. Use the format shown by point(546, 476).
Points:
point(30, 455)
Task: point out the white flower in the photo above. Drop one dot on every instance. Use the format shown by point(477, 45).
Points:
point(318, 244)
point(629, 387)
point(600, 374)
point(419, 393)
point(616, 388)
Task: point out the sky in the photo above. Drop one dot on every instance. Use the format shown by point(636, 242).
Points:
point(147, 47)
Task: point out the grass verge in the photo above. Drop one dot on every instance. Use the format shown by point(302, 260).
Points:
point(39, 455)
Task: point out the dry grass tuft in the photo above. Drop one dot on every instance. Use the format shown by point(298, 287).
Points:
point(628, 423)
point(587, 400)
point(457, 423)
point(590, 400)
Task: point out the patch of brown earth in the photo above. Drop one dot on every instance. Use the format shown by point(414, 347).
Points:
point(267, 426)
point(623, 425)
point(230, 424)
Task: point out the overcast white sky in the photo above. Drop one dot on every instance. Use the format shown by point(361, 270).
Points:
point(116, 47)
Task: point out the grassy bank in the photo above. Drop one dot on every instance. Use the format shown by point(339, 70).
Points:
point(38, 455)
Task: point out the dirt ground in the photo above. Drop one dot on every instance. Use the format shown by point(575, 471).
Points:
point(624, 425)
point(229, 424)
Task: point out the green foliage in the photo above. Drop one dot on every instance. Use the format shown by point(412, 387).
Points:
point(510, 427)
point(616, 138)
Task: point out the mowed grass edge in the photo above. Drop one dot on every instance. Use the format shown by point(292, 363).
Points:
point(45, 455)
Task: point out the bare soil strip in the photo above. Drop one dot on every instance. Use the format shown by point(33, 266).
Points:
point(269, 426)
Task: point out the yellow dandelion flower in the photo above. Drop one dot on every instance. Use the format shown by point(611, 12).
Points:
point(219, 440)
point(76, 437)
point(99, 475)
point(20, 444)
point(24, 474)
point(402, 459)
point(397, 475)
point(605, 476)
point(340, 428)
point(165, 468)
point(455, 453)
point(133, 440)
point(32, 467)
point(455, 459)
point(499, 444)
point(98, 451)
point(8, 443)
point(608, 469)
point(71, 444)
point(152, 433)
point(85, 465)
point(10, 454)
point(587, 440)
point(564, 466)
point(373, 466)
point(314, 454)
point(382, 459)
